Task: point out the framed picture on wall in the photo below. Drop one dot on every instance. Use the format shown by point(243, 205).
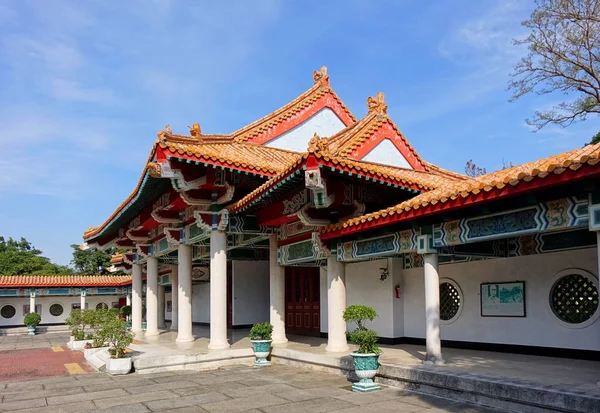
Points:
point(38, 309)
point(503, 299)
point(169, 306)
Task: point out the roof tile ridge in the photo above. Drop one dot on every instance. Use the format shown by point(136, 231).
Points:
point(283, 109)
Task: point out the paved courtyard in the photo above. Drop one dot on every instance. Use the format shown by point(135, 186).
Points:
point(235, 389)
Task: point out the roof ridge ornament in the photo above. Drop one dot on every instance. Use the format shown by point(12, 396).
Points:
point(318, 145)
point(195, 130)
point(321, 77)
point(376, 104)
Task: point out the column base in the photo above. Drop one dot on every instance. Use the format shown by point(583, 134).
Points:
point(218, 346)
point(150, 333)
point(332, 348)
point(184, 339)
point(434, 361)
point(279, 341)
point(139, 334)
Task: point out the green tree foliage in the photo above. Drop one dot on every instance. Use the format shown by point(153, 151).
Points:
point(365, 339)
point(595, 139)
point(20, 257)
point(90, 261)
point(563, 58)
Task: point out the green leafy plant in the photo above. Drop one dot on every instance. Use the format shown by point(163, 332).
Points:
point(365, 339)
point(114, 332)
point(32, 319)
point(76, 324)
point(261, 331)
point(125, 311)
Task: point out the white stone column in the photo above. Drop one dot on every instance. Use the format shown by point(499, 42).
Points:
point(277, 293)
point(161, 307)
point(336, 304)
point(136, 299)
point(432, 310)
point(174, 296)
point(184, 286)
point(82, 303)
point(152, 297)
point(32, 303)
point(128, 299)
point(218, 290)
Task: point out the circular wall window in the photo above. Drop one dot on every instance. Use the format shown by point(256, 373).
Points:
point(101, 306)
point(56, 310)
point(8, 311)
point(450, 301)
point(574, 298)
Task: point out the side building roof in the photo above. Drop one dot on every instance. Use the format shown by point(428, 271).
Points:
point(16, 281)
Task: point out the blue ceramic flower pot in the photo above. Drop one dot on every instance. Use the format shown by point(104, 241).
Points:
point(261, 348)
point(365, 367)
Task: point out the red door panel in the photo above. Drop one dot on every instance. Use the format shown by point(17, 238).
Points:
point(302, 296)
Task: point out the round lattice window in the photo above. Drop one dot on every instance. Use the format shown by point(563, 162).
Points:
point(101, 306)
point(574, 298)
point(56, 310)
point(8, 311)
point(450, 301)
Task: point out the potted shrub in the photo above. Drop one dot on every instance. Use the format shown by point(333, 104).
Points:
point(260, 336)
point(78, 325)
point(31, 320)
point(115, 333)
point(125, 312)
point(366, 356)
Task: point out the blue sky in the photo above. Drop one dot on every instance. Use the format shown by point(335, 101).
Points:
point(85, 86)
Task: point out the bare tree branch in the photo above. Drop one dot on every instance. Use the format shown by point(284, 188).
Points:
point(563, 56)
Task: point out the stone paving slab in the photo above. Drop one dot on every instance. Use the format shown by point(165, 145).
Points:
point(277, 389)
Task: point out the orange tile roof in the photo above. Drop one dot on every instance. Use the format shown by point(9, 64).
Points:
point(320, 149)
point(495, 181)
point(320, 89)
point(251, 156)
point(116, 258)
point(7, 281)
point(93, 231)
point(347, 140)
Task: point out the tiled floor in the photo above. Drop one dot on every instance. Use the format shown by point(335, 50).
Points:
point(560, 374)
point(238, 389)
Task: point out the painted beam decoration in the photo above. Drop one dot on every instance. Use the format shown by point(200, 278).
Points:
point(303, 252)
point(554, 215)
point(62, 291)
point(385, 245)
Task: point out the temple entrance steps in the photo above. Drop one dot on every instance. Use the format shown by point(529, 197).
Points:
point(501, 393)
point(510, 394)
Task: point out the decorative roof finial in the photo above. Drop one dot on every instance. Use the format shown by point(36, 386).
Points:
point(168, 129)
point(376, 104)
point(318, 145)
point(154, 170)
point(195, 130)
point(321, 77)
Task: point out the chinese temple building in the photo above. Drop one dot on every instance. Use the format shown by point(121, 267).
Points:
point(294, 217)
point(53, 297)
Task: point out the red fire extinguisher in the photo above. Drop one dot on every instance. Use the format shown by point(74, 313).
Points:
point(397, 288)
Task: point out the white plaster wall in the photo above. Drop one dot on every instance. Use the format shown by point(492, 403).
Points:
point(386, 153)
point(325, 122)
point(539, 328)
point(46, 302)
point(201, 303)
point(396, 272)
point(363, 286)
point(250, 292)
point(323, 304)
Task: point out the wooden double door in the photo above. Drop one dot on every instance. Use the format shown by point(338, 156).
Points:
point(303, 300)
